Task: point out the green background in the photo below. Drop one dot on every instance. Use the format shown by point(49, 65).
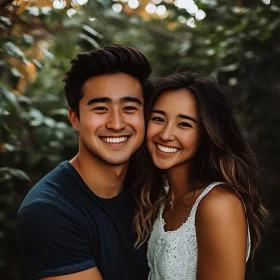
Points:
point(238, 43)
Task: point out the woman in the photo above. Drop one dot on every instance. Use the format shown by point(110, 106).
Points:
point(208, 219)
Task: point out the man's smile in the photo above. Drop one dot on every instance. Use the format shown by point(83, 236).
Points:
point(119, 139)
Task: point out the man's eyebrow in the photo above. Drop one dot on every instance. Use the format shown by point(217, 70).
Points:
point(187, 117)
point(99, 100)
point(109, 100)
point(131, 99)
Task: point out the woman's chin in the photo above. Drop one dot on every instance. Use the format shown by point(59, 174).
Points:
point(161, 166)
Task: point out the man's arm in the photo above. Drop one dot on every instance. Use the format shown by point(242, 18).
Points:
point(54, 243)
point(90, 274)
point(221, 236)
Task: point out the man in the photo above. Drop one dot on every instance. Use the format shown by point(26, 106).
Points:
point(76, 223)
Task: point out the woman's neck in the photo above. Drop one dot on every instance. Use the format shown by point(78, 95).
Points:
point(180, 181)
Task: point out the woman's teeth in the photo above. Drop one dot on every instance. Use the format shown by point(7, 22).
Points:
point(166, 149)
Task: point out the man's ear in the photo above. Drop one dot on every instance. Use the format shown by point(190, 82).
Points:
point(72, 116)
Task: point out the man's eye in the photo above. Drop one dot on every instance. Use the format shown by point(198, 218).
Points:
point(185, 124)
point(130, 108)
point(100, 109)
point(157, 119)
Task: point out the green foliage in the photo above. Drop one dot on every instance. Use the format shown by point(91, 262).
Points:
point(237, 43)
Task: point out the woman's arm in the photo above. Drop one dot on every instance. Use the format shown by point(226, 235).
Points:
point(221, 228)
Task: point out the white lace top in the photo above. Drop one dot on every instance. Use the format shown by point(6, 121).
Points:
point(173, 254)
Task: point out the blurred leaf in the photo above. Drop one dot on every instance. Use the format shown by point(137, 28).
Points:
point(9, 148)
point(37, 63)
point(13, 50)
point(4, 112)
point(229, 68)
point(24, 99)
point(90, 40)
point(5, 20)
point(10, 100)
point(36, 117)
point(15, 72)
point(49, 122)
point(92, 31)
point(34, 11)
point(14, 172)
point(61, 111)
point(28, 39)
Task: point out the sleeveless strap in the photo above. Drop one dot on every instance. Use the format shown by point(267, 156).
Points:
point(205, 192)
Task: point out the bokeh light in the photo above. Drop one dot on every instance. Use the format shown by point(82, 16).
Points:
point(157, 1)
point(190, 22)
point(200, 15)
point(71, 12)
point(192, 9)
point(151, 8)
point(59, 4)
point(133, 4)
point(81, 2)
point(161, 10)
point(184, 4)
point(117, 8)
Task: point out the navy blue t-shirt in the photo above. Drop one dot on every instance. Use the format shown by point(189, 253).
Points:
point(63, 228)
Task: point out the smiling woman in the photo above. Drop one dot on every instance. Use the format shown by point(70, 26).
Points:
point(173, 134)
point(205, 223)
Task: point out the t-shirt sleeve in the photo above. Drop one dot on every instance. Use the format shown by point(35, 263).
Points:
point(52, 240)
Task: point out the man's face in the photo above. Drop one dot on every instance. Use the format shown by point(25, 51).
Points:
point(111, 124)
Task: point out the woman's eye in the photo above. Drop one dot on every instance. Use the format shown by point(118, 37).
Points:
point(157, 119)
point(184, 124)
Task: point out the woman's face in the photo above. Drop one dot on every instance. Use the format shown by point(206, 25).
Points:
point(173, 133)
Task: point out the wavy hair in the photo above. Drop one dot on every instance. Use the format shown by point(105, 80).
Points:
point(224, 155)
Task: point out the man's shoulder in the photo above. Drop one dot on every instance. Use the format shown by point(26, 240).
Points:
point(50, 190)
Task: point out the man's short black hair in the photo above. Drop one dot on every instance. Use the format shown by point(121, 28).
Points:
point(109, 60)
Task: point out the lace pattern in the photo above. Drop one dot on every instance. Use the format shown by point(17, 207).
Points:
point(173, 254)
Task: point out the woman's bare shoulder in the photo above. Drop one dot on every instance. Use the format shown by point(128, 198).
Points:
point(221, 200)
point(221, 208)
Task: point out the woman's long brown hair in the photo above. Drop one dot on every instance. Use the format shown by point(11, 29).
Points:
point(224, 155)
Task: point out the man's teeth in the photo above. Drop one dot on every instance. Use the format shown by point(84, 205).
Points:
point(115, 139)
point(167, 150)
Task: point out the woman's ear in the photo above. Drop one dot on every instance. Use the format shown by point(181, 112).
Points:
point(72, 116)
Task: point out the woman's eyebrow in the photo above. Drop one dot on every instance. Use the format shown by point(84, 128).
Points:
point(186, 117)
point(159, 112)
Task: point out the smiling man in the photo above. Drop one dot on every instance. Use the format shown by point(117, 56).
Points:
point(76, 223)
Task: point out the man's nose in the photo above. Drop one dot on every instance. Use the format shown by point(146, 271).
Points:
point(116, 121)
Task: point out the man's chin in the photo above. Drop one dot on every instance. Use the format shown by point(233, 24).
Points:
point(115, 161)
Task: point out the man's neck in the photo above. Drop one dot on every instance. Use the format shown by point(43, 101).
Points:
point(103, 179)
